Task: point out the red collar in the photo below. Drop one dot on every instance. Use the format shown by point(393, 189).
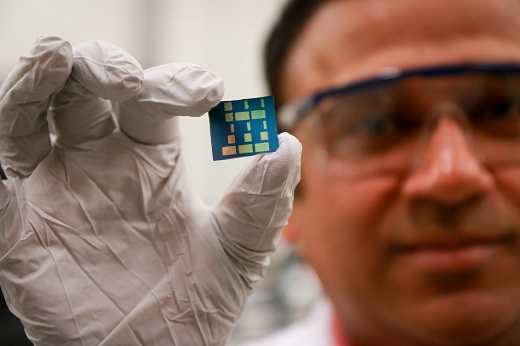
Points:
point(339, 337)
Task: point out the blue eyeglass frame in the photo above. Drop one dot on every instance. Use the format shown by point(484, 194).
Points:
point(292, 113)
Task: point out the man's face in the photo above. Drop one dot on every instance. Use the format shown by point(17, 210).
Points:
point(434, 257)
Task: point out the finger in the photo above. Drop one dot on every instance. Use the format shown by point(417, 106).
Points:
point(10, 233)
point(25, 97)
point(21, 155)
point(26, 93)
point(257, 207)
point(170, 90)
point(101, 71)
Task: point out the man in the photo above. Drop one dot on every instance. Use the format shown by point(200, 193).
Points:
point(409, 205)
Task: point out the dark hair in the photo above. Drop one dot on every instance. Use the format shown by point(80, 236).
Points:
point(286, 30)
point(291, 22)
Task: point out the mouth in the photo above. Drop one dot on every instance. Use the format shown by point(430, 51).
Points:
point(445, 255)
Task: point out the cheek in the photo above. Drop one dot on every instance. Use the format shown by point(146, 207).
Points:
point(338, 225)
point(508, 182)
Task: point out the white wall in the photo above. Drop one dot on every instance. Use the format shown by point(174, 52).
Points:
point(225, 36)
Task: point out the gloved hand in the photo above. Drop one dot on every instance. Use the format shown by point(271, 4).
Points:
point(102, 242)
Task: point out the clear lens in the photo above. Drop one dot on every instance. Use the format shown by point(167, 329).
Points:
point(377, 129)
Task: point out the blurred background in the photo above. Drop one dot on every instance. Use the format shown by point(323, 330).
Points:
point(226, 37)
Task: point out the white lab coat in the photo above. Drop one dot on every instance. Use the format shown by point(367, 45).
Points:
point(314, 330)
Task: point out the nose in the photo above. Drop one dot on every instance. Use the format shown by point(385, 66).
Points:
point(449, 171)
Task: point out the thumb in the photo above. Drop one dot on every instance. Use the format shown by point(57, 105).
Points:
point(251, 216)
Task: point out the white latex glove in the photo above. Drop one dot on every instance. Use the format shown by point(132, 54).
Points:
point(102, 242)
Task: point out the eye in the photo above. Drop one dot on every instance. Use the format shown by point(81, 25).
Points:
point(374, 133)
point(497, 115)
point(494, 108)
point(501, 107)
point(492, 99)
point(367, 122)
point(361, 114)
point(376, 124)
point(395, 121)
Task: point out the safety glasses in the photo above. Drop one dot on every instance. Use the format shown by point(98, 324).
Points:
point(383, 125)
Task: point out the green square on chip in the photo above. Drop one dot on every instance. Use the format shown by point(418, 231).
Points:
point(259, 114)
point(243, 128)
point(239, 116)
point(228, 106)
point(261, 147)
point(245, 149)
